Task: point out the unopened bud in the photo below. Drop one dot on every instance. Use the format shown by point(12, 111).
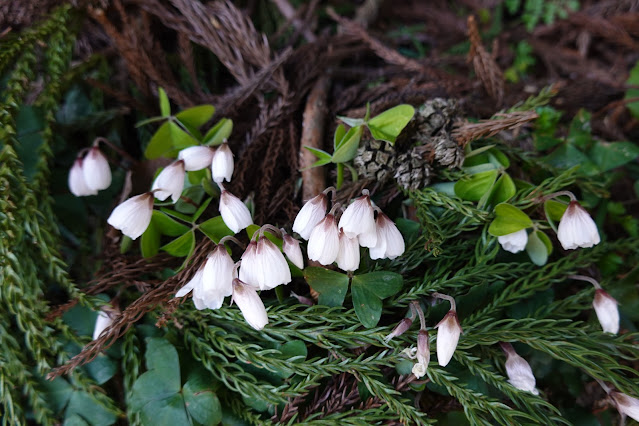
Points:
point(399, 329)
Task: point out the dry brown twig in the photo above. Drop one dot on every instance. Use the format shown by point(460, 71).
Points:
point(467, 131)
point(484, 64)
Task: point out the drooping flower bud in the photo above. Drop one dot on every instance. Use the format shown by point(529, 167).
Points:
point(607, 311)
point(291, 248)
point(310, 215)
point(519, 373)
point(170, 182)
point(104, 319)
point(77, 184)
point(359, 218)
point(234, 212)
point(399, 329)
point(133, 216)
point(576, 228)
point(447, 337)
point(348, 253)
point(390, 243)
point(250, 304)
point(626, 405)
point(323, 244)
point(196, 157)
point(272, 269)
point(222, 165)
point(96, 170)
point(514, 242)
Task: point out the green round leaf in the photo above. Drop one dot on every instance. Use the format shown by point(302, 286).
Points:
point(508, 219)
point(167, 225)
point(196, 116)
point(218, 133)
point(382, 283)
point(201, 401)
point(390, 123)
point(503, 190)
point(537, 249)
point(330, 285)
point(347, 147)
point(215, 229)
point(150, 241)
point(368, 306)
point(473, 187)
point(182, 246)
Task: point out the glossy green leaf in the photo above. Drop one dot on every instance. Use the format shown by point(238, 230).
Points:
point(215, 229)
point(473, 187)
point(610, 155)
point(177, 215)
point(498, 158)
point(330, 285)
point(508, 219)
point(347, 148)
point(193, 193)
point(368, 306)
point(181, 246)
point(340, 131)
point(554, 210)
point(537, 249)
point(324, 157)
point(389, 124)
point(200, 399)
point(352, 122)
point(86, 407)
point(161, 355)
point(150, 241)
point(633, 80)
point(382, 283)
point(168, 139)
point(579, 133)
point(165, 106)
point(167, 225)
point(102, 368)
point(503, 190)
point(218, 133)
point(567, 156)
point(74, 420)
point(165, 412)
point(196, 116)
point(57, 393)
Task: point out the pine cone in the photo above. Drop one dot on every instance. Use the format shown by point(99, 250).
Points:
point(412, 171)
point(375, 159)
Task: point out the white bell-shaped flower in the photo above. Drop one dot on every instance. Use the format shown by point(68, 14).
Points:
point(170, 182)
point(97, 173)
point(514, 242)
point(133, 216)
point(576, 228)
point(447, 337)
point(217, 278)
point(272, 269)
point(310, 215)
point(359, 218)
point(196, 157)
point(423, 347)
point(348, 254)
point(104, 319)
point(419, 370)
point(626, 405)
point(234, 212)
point(77, 184)
point(323, 244)
point(222, 165)
point(250, 304)
point(607, 311)
point(390, 242)
point(192, 285)
point(519, 373)
point(291, 247)
point(249, 267)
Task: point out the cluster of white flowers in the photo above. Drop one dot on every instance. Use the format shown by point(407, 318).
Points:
point(133, 216)
point(262, 267)
point(331, 241)
point(90, 173)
